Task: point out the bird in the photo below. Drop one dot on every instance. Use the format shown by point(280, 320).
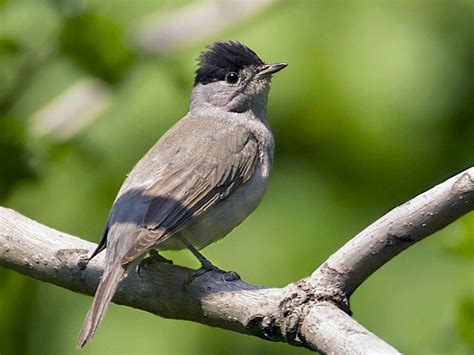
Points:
point(201, 179)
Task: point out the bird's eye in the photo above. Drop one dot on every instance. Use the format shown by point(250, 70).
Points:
point(232, 77)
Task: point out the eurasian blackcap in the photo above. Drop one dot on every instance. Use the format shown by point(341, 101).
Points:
point(201, 179)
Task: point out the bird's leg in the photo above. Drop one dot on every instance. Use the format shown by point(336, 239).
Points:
point(206, 265)
point(154, 257)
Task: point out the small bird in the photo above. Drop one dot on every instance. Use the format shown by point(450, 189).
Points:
point(201, 179)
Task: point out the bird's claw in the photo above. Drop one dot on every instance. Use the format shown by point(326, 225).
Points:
point(154, 257)
point(227, 276)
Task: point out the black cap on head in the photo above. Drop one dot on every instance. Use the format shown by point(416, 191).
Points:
point(221, 58)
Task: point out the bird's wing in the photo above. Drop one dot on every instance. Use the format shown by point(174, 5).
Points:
point(194, 183)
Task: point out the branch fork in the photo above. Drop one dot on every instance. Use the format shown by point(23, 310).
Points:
point(313, 312)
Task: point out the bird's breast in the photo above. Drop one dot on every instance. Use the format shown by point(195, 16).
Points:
point(219, 220)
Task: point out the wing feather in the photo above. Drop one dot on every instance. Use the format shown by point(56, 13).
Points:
point(183, 192)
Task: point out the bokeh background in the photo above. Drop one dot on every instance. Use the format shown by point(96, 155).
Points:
point(375, 106)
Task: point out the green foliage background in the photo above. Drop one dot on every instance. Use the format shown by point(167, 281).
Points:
point(375, 106)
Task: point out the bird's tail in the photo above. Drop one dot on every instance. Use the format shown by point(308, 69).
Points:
point(107, 287)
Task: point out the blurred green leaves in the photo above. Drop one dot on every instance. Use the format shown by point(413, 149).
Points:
point(8, 46)
point(96, 43)
point(16, 309)
point(466, 321)
point(463, 245)
point(15, 159)
point(375, 106)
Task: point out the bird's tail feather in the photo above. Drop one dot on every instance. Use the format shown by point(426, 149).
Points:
point(107, 287)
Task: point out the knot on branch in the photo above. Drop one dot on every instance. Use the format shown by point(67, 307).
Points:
point(326, 282)
point(293, 309)
point(72, 264)
point(284, 324)
point(73, 259)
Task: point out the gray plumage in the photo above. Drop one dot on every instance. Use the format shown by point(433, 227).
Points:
point(201, 179)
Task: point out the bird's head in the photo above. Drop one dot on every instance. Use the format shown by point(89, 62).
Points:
point(232, 77)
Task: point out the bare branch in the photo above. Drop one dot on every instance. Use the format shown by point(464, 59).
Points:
point(327, 328)
point(400, 228)
point(311, 312)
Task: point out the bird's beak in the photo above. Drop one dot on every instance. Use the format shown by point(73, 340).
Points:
point(269, 69)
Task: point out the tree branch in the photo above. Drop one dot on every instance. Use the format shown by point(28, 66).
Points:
point(397, 230)
point(312, 312)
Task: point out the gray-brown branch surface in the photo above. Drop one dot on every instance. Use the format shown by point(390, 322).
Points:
point(312, 312)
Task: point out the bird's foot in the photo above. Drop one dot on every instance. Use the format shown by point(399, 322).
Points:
point(207, 266)
point(154, 257)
